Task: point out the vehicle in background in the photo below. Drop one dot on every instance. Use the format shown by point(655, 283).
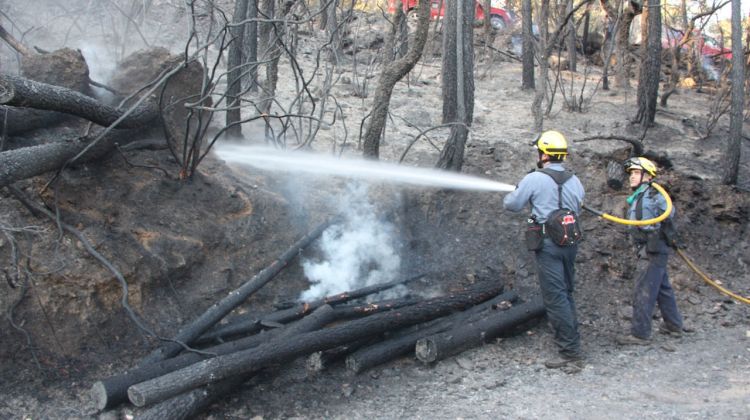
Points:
point(670, 37)
point(500, 18)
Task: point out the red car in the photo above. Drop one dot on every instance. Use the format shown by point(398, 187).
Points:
point(499, 18)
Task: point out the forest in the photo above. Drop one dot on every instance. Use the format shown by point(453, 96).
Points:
point(294, 208)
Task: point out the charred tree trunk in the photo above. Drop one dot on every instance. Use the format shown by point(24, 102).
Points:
point(31, 161)
point(358, 311)
point(527, 53)
point(191, 403)
point(15, 120)
point(401, 344)
point(391, 74)
point(648, 82)
point(622, 45)
point(193, 330)
point(112, 391)
point(458, 81)
point(253, 324)
point(321, 360)
point(464, 337)
point(250, 50)
point(733, 149)
point(235, 69)
point(249, 361)
point(571, 39)
point(20, 92)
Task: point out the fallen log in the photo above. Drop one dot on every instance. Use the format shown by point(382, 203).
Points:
point(15, 121)
point(402, 344)
point(252, 323)
point(321, 360)
point(112, 391)
point(191, 403)
point(20, 92)
point(249, 361)
point(216, 312)
point(463, 337)
point(357, 311)
point(26, 162)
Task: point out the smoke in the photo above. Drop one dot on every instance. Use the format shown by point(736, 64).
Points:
point(359, 251)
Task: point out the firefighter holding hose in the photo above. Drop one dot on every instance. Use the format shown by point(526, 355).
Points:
point(652, 242)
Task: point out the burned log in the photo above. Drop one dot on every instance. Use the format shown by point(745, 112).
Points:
point(473, 334)
point(14, 120)
point(252, 323)
point(249, 361)
point(321, 360)
point(112, 391)
point(20, 92)
point(357, 311)
point(615, 175)
point(216, 312)
point(191, 403)
point(27, 162)
point(402, 344)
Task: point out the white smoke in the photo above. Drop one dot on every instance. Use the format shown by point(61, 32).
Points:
point(359, 251)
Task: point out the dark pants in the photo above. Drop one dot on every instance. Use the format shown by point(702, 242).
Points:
point(652, 288)
point(555, 266)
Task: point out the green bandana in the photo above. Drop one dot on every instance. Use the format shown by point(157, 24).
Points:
point(637, 193)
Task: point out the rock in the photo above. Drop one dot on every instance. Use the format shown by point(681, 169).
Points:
point(464, 363)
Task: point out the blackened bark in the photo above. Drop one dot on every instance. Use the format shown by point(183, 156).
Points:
point(402, 344)
point(473, 334)
point(20, 92)
point(27, 162)
point(250, 42)
point(235, 69)
point(732, 153)
point(193, 330)
point(19, 120)
point(249, 361)
point(650, 74)
point(391, 74)
point(571, 39)
point(252, 324)
point(191, 403)
point(458, 81)
point(528, 46)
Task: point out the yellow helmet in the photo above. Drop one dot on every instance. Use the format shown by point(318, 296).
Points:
point(552, 143)
point(641, 163)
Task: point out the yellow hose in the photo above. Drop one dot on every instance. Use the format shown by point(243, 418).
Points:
point(711, 282)
point(687, 260)
point(645, 222)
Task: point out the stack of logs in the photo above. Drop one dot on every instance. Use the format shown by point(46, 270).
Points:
point(178, 381)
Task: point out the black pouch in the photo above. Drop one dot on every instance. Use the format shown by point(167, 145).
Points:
point(654, 243)
point(534, 235)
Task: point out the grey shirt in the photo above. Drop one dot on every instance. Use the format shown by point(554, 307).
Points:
point(654, 205)
point(540, 191)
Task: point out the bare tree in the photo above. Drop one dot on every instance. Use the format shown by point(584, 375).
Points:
point(250, 42)
point(391, 74)
point(648, 82)
point(733, 149)
point(528, 45)
point(234, 65)
point(622, 44)
point(571, 39)
point(458, 80)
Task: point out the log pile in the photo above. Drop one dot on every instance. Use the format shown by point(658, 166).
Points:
point(177, 381)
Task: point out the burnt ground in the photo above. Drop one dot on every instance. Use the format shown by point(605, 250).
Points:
point(183, 245)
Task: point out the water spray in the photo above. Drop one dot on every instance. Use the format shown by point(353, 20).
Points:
point(373, 171)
